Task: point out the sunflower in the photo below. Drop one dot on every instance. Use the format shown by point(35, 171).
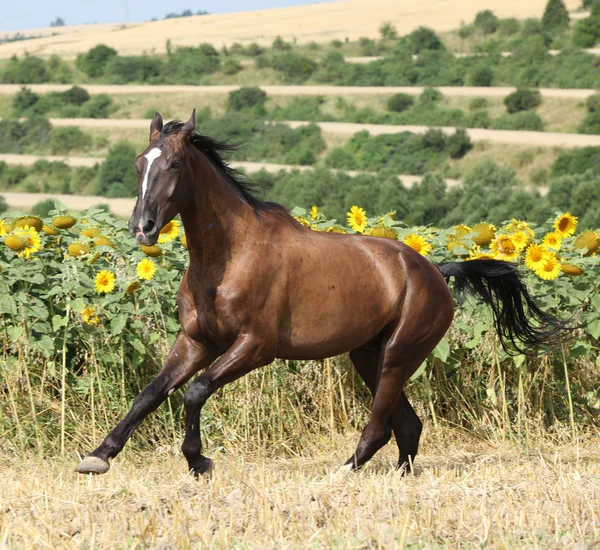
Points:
point(517, 225)
point(132, 287)
point(31, 238)
point(384, 232)
point(520, 239)
point(460, 231)
point(589, 240)
point(535, 256)
point(504, 247)
point(571, 270)
point(314, 212)
point(357, 219)
point(302, 221)
point(4, 228)
point(565, 224)
point(169, 232)
point(89, 316)
point(552, 240)
point(418, 243)
point(335, 229)
point(549, 269)
point(484, 233)
point(477, 254)
point(183, 240)
point(105, 281)
point(146, 269)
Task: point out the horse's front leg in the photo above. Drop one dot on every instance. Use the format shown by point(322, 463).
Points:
point(245, 355)
point(185, 359)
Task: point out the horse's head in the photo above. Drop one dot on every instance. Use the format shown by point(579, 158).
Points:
point(161, 168)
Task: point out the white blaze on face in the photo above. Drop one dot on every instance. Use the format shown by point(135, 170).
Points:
point(150, 156)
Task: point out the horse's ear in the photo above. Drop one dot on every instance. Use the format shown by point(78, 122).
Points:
point(189, 126)
point(155, 127)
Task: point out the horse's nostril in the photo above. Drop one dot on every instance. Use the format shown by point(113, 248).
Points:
point(148, 226)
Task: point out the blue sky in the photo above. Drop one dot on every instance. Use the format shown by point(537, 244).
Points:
point(28, 14)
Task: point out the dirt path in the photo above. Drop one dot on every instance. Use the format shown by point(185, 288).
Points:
point(448, 91)
point(544, 139)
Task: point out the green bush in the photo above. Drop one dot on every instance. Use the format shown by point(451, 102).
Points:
point(75, 96)
point(430, 96)
point(523, 120)
point(24, 100)
point(44, 207)
point(458, 144)
point(294, 67)
point(531, 27)
point(11, 176)
point(94, 61)
point(118, 177)
point(388, 31)
point(28, 70)
point(522, 100)
point(248, 100)
point(423, 39)
point(577, 161)
point(399, 103)
point(482, 75)
point(253, 50)
point(122, 70)
point(591, 124)
point(465, 31)
point(593, 103)
point(369, 47)
point(478, 103)
point(280, 45)
point(31, 135)
point(336, 43)
point(231, 66)
point(301, 108)
point(509, 27)
point(486, 22)
point(587, 32)
point(98, 106)
point(3, 204)
point(69, 138)
point(556, 17)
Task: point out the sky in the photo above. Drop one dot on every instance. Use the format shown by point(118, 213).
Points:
point(29, 14)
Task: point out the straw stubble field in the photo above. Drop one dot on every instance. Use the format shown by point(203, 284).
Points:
point(466, 493)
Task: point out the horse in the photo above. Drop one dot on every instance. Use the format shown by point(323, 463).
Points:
point(260, 286)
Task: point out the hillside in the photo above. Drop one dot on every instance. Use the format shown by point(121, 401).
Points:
point(317, 22)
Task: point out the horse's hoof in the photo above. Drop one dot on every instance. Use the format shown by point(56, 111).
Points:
point(204, 468)
point(342, 472)
point(93, 465)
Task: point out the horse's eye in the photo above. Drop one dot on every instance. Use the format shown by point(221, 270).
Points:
point(176, 164)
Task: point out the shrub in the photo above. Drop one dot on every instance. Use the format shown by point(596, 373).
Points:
point(523, 120)
point(29, 70)
point(3, 204)
point(388, 31)
point(577, 161)
point(98, 106)
point(369, 47)
point(587, 32)
point(76, 95)
point(531, 27)
point(593, 103)
point(337, 43)
point(483, 75)
point(140, 68)
point(478, 103)
point(231, 66)
point(295, 68)
point(522, 100)
point(556, 17)
point(118, 177)
point(399, 103)
point(43, 208)
point(254, 50)
point(301, 108)
point(423, 39)
point(591, 124)
point(331, 68)
point(68, 138)
point(94, 61)
point(59, 70)
point(465, 31)
point(509, 27)
point(248, 100)
point(486, 22)
point(280, 45)
point(430, 96)
point(24, 100)
point(458, 144)
point(188, 64)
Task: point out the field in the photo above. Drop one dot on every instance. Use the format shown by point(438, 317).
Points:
point(467, 492)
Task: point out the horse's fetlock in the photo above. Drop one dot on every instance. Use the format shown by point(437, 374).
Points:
point(198, 392)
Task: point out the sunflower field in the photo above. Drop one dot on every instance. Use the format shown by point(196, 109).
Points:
point(87, 316)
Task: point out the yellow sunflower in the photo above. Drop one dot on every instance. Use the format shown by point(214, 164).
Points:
point(384, 232)
point(4, 228)
point(549, 269)
point(314, 212)
point(517, 225)
point(589, 240)
point(357, 219)
point(89, 316)
point(535, 256)
point(565, 224)
point(132, 287)
point(520, 239)
point(504, 247)
point(105, 281)
point(477, 254)
point(169, 232)
point(31, 238)
point(302, 221)
point(146, 269)
point(460, 231)
point(418, 243)
point(335, 229)
point(571, 270)
point(552, 240)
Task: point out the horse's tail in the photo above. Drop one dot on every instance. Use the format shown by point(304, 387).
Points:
point(520, 323)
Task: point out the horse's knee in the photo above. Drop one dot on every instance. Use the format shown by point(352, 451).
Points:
point(197, 393)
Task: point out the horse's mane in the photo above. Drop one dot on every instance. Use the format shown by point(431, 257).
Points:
point(213, 150)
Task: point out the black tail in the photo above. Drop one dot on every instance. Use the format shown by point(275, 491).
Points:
point(520, 323)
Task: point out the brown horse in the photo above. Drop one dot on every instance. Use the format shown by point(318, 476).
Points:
point(261, 286)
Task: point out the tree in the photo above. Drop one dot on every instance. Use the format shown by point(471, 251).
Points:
point(424, 38)
point(93, 62)
point(58, 22)
point(522, 100)
point(118, 177)
point(556, 17)
point(587, 32)
point(486, 21)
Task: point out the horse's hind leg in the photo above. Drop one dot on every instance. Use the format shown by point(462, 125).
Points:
point(403, 421)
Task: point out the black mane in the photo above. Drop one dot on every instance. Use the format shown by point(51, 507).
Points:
point(213, 149)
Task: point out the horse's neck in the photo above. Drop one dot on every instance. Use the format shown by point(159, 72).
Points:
point(217, 218)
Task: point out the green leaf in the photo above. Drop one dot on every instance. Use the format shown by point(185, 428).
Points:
point(442, 350)
point(58, 322)
point(15, 332)
point(297, 211)
point(579, 349)
point(138, 346)
point(595, 299)
point(419, 372)
point(593, 329)
point(117, 324)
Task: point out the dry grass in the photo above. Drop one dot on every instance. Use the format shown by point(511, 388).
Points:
point(466, 493)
